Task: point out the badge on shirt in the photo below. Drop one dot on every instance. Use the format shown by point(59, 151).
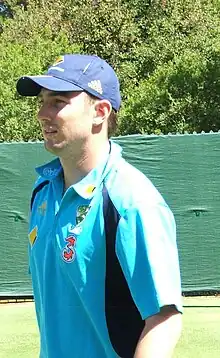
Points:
point(69, 253)
point(33, 235)
point(42, 208)
point(89, 189)
point(81, 213)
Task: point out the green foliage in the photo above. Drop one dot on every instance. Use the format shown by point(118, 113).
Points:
point(27, 48)
point(176, 86)
point(106, 28)
point(166, 54)
point(182, 95)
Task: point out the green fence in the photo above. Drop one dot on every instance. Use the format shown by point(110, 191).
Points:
point(185, 168)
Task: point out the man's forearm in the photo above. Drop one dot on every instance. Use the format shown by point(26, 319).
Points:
point(160, 335)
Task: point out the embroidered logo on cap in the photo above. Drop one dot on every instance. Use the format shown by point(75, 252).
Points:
point(96, 86)
point(59, 60)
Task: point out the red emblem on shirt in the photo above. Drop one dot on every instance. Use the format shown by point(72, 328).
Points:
point(69, 253)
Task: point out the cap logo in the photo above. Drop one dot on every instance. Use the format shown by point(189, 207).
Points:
point(59, 60)
point(96, 86)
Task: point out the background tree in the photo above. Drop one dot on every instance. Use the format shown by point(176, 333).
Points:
point(28, 45)
point(178, 75)
point(166, 54)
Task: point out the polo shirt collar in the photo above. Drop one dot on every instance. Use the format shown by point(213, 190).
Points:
point(86, 187)
point(50, 170)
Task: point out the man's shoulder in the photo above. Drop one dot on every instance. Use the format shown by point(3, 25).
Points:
point(128, 186)
point(40, 183)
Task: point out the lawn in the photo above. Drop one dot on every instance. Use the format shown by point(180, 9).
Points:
point(200, 337)
point(18, 331)
point(201, 329)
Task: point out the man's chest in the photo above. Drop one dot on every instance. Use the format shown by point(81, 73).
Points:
point(70, 239)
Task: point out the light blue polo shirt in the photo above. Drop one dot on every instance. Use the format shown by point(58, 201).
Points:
point(67, 254)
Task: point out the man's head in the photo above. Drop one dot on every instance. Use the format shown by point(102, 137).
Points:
point(80, 95)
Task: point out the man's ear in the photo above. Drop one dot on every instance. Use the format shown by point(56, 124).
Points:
point(103, 109)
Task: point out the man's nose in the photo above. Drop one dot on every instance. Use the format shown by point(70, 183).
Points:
point(44, 113)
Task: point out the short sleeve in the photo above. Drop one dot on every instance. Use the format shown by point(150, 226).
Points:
point(147, 251)
point(29, 253)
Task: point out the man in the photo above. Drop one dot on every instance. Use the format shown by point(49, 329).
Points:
point(103, 255)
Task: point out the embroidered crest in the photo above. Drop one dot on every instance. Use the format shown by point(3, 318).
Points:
point(81, 213)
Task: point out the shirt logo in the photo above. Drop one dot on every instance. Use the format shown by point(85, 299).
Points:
point(50, 172)
point(89, 189)
point(33, 235)
point(42, 208)
point(81, 213)
point(96, 86)
point(69, 253)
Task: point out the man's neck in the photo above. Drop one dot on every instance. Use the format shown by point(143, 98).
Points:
point(77, 167)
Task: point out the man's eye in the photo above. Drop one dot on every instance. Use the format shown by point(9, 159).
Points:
point(53, 102)
point(59, 100)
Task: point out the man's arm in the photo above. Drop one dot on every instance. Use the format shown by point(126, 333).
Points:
point(147, 250)
point(160, 334)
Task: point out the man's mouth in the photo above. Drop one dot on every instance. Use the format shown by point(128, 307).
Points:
point(49, 131)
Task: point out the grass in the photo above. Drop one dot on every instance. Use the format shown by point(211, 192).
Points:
point(200, 337)
point(18, 331)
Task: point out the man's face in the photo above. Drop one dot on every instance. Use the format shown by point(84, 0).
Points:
point(65, 119)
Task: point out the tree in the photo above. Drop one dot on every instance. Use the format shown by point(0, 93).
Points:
point(176, 87)
point(166, 54)
point(27, 47)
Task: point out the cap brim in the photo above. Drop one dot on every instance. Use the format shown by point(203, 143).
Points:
point(32, 85)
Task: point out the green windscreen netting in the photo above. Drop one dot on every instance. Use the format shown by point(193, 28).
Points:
point(185, 168)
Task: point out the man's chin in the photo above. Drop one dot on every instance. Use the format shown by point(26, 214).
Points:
point(52, 147)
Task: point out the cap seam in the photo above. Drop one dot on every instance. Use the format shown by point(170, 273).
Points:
point(64, 79)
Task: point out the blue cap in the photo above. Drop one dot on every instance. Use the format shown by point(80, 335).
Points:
point(76, 73)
